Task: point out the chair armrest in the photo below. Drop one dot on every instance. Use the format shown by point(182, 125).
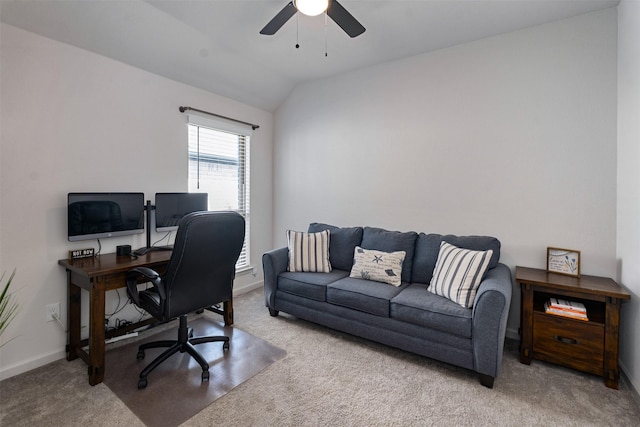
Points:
point(490, 314)
point(150, 276)
point(273, 263)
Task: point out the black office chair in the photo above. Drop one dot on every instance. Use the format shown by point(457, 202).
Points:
point(200, 274)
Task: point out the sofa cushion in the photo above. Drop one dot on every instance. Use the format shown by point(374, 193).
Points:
point(427, 249)
point(309, 251)
point(385, 267)
point(342, 244)
point(309, 285)
point(416, 306)
point(458, 273)
point(363, 295)
point(392, 241)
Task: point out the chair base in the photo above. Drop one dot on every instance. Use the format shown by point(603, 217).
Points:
point(184, 343)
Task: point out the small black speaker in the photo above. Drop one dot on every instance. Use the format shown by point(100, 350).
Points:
point(123, 250)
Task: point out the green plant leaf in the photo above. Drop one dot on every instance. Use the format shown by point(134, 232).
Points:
point(8, 303)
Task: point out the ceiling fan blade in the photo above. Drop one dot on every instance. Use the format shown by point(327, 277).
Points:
point(344, 19)
point(279, 20)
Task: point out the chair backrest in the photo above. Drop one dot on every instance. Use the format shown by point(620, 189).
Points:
point(202, 265)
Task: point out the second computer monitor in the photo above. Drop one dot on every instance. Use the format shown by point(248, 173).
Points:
point(171, 207)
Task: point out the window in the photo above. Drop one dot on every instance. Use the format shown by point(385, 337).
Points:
point(219, 166)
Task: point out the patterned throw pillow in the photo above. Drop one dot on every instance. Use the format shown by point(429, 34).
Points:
point(309, 251)
point(378, 266)
point(458, 273)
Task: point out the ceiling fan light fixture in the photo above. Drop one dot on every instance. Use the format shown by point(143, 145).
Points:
point(311, 7)
point(333, 9)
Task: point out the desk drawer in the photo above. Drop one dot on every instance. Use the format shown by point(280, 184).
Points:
point(568, 342)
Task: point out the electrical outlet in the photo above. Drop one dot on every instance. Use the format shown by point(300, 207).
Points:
point(52, 310)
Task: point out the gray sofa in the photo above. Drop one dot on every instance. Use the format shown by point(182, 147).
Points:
point(407, 317)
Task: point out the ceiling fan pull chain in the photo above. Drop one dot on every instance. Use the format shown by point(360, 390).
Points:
point(325, 34)
point(297, 38)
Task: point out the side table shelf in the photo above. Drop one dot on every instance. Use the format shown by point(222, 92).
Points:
point(589, 346)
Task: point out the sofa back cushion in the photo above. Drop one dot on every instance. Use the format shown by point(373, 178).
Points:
point(342, 244)
point(392, 241)
point(428, 247)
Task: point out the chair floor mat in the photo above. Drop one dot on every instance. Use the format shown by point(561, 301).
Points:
point(175, 391)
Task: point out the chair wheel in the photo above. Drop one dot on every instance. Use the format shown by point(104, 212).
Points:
point(205, 376)
point(140, 355)
point(142, 383)
point(225, 346)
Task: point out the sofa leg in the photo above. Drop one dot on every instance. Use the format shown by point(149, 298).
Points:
point(273, 313)
point(486, 380)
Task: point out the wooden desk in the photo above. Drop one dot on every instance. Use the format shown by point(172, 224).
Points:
point(98, 275)
point(587, 346)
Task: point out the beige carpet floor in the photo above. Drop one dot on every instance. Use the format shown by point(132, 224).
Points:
point(329, 378)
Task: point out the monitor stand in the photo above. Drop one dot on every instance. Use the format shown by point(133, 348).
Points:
point(147, 210)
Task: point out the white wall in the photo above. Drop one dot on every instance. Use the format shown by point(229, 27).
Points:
point(512, 136)
point(76, 121)
point(628, 179)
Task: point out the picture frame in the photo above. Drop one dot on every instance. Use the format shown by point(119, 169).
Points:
point(563, 261)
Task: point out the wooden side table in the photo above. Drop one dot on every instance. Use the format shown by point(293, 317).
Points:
point(587, 346)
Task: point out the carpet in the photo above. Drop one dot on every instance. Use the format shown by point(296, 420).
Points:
point(175, 391)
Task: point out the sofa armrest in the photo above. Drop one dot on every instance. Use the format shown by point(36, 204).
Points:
point(273, 263)
point(490, 313)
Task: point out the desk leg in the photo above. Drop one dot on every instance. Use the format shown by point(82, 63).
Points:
point(73, 319)
point(228, 312)
point(96, 331)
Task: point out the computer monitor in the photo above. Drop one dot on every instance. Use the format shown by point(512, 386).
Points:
point(98, 215)
point(171, 207)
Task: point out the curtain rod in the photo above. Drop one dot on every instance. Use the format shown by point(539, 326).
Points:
point(183, 109)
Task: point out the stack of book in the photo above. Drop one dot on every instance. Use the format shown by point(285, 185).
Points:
point(566, 308)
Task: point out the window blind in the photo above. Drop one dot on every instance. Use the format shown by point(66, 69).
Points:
point(219, 166)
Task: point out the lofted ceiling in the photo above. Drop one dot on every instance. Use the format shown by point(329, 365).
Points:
point(215, 44)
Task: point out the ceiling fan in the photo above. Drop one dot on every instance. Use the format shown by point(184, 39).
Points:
point(334, 10)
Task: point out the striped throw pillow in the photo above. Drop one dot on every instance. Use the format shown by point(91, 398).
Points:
point(458, 273)
point(309, 252)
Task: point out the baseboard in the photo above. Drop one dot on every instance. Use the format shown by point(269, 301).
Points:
point(513, 334)
point(237, 291)
point(34, 363)
point(627, 380)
